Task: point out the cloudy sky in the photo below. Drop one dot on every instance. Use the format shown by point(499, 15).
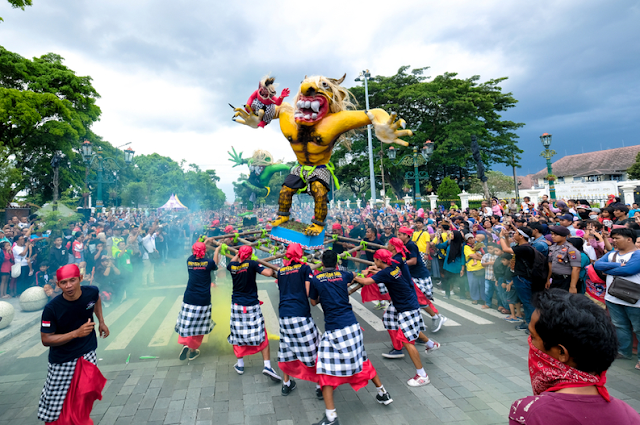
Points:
point(166, 70)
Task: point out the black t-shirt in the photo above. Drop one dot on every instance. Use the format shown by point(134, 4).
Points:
point(61, 316)
point(418, 270)
point(293, 291)
point(245, 289)
point(400, 285)
point(358, 232)
point(198, 290)
point(332, 288)
point(524, 260)
point(384, 239)
point(368, 254)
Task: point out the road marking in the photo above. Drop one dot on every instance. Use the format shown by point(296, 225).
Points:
point(478, 307)
point(38, 349)
point(463, 313)
point(269, 313)
point(119, 311)
point(448, 323)
point(128, 333)
point(167, 327)
point(374, 321)
point(154, 288)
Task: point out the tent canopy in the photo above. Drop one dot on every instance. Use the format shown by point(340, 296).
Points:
point(62, 210)
point(173, 204)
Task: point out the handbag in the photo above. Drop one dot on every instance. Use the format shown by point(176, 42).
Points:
point(16, 270)
point(624, 289)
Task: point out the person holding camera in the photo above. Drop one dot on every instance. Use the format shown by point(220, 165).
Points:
point(622, 267)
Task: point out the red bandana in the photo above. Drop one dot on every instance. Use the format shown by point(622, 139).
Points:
point(199, 249)
point(67, 272)
point(244, 252)
point(294, 253)
point(399, 246)
point(549, 374)
point(229, 229)
point(406, 230)
point(384, 256)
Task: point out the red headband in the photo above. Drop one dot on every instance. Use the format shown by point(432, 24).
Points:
point(294, 253)
point(215, 222)
point(406, 230)
point(229, 229)
point(336, 226)
point(399, 246)
point(199, 249)
point(244, 252)
point(384, 255)
point(67, 272)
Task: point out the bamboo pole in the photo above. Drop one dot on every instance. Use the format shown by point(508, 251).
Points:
point(235, 251)
point(356, 241)
point(231, 235)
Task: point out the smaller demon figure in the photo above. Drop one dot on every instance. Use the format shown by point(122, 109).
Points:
point(265, 99)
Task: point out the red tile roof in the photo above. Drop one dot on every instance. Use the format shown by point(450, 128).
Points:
point(610, 161)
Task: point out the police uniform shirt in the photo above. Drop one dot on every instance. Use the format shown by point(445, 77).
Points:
point(293, 290)
point(563, 258)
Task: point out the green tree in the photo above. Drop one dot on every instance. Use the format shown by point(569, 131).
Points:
point(446, 110)
point(497, 183)
point(18, 4)
point(448, 190)
point(44, 108)
point(634, 171)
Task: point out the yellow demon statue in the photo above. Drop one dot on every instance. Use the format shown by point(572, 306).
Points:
point(322, 111)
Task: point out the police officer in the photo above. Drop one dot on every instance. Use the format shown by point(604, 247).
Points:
point(564, 261)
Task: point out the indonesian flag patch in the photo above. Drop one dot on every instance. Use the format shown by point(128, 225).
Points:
point(46, 324)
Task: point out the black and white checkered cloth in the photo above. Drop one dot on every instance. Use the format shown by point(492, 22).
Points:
point(425, 285)
point(246, 328)
point(383, 289)
point(269, 110)
point(56, 386)
point(410, 322)
point(341, 352)
point(299, 338)
point(194, 320)
point(322, 173)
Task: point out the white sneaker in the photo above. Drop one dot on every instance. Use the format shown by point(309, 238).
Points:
point(418, 381)
point(436, 345)
point(438, 322)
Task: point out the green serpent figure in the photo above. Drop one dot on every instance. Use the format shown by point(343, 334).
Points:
point(261, 168)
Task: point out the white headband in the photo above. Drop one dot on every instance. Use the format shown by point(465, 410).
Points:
point(524, 235)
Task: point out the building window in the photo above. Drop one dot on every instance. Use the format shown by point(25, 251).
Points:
point(560, 179)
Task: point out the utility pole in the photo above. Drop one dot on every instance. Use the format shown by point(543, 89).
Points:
point(364, 76)
point(55, 164)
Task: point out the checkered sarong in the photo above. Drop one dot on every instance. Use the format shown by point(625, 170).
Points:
point(321, 173)
point(410, 322)
point(56, 386)
point(341, 352)
point(383, 289)
point(299, 339)
point(269, 110)
point(194, 320)
point(247, 325)
point(425, 285)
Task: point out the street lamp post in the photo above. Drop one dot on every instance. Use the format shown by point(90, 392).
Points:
point(364, 76)
point(416, 160)
point(548, 154)
point(102, 164)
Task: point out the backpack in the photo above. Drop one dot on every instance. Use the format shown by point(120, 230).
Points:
point(539, 271)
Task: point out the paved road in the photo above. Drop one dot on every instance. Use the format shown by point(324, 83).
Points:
point(479, 371)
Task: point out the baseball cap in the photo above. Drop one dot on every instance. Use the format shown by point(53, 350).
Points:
point(566, 217)
point(468, 235)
